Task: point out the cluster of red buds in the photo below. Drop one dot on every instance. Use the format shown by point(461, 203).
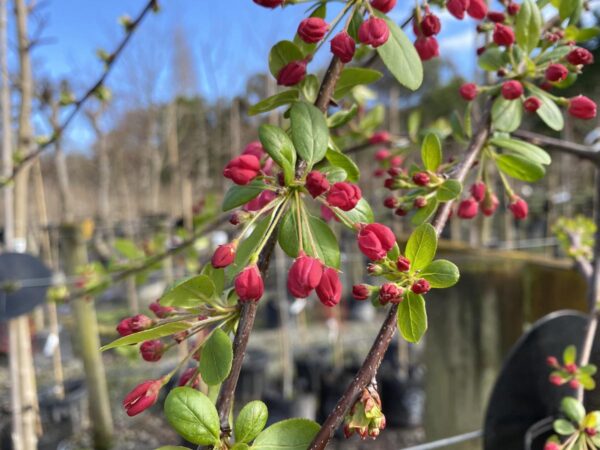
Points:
point(570, 373)
point(365, 417)
point(389, 163)
point(307, 274)
point(426, 27)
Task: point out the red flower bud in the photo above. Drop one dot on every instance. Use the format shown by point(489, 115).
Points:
point(477, 9)
point(304, 275)
point(380, 137)
point(430, 25)
point(254, 148)
point(552, 361)
point(382, 154)
point(396, 161)
point(160, 311)
point(457, 8)
point(243, 169)
point(140, 322)
point(556, 380)
point(361, 292)
point(249, 284)
point(374, 269)
point(582, 107)
point(403, 264)
point(551, 446)
point(519, 208)
point(420, 202)
point(378, 173)
point(481, 50)
point(124, 327)
point(224, 256)
point(591, 431)
point(375, 241)
point(513, 8)
point(390, 183)
point(512, 89)
point(142, 397)
point(344, 195)
point(427, 48)
point(556, 72)
point(390, 293)
point(571, 368)
point(503, 35)
point(292, 74)
point(313, 29)
point(421, 286)
point(327, 214)
point(258, 203)
point(421, 179)
point(329, 289)
point(390, 202)
point(478, 191)
point(496, 16)
point(187, 375)
point(385, 6)
point(574, 384)
point(316, 183)
point(468, 91)
point(579, 56)
point(532, 104)
point(489, 204)
point(467, 209)
point(374, 32)
point(343, 46)
point(401, 212)
point(152, 351)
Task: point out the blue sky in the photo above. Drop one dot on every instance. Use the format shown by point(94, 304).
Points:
point(229, 41)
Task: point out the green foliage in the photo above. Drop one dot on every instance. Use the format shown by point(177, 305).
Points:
point(412, 317)
point(279, 146)
point(237, 196)
point(152, 333)
point(421, 247)
point(193, 416)
point(431, 152)
point(190, 292)
point(275, 101)
point(291, 434)
point(441, 274)
point(250, 421)
point(310, 133)
point(216, 358)
point(283, 53)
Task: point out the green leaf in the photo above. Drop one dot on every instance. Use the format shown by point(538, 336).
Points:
point(573, 409)
point(423, 214)
point(555, 54)
point(247, 247)
point(570, 355)
point(193, 416)
point(341, 118)
point(153, 333)
point(310, 88)
point(492, 59)
point(564, 427)
point(362, 213)
point(250, 421)
point(217, 276)
point(400, 56)
point(240, 195)
point(172, 447)
point(549, 112)
point(216, 358)
point(355, 23)
point(338, 159)
point(567, 8)
point(431, 152)
point(190, 292)
point(412, 317)
point(587, 382)
point(129, 249)
point(240, 446)
point(279, 146)
point(354, 76)
point(282, 54)
point(528, 26)
point(275, 101)
point(507, 114)
point(421, 247)
point(291, 434)
point(441, 274)
point(516, 166)
point(333, 174)
point(449, 190)
point(310, 134)
point(522, 148)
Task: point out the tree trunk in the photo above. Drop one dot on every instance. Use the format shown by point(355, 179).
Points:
point(62, 173)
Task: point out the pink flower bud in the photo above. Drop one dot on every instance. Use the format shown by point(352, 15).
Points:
point(329, 289)
point(249, 285)
point(421, 179)
point(304, 275)
point(152, 351)
point(489, 204)
point(243, 169)
point(378, 173)
point(503, 35)
point(513, 8)
point(254, 148)
point(582, 107)
point(187, 375)
point(382, 154)
point(532, 104)
point(344, 195)
point(496, 16)
point(124, 327)
point(142, 397)
point(457, 8)
point(396, 161)
point(292, 74)
point(512, 90)
point(313, 29)
point(420, 202)
point(401, 212)
point(385, 6)
point(343, 46)
point(316, 183)
point(391, 202)
point(551, 446)
point(552, 361)
point(478, 191)
point(380, 137)
point(374, 32)
point(258, 203)
point(591, 431)
point(421, 286)
point(519, 208)
point(224, 256)
point(427, 48)
point(160, 311)
point(374, 270)
point(556, 72)
point(375, 241)
point(468, 91)
point(390, 293)
point(361, 292)
point(556, 380)
point(403, 264)
point(579, 56)
point(477, 9)
point(574, 384)
point(467, 209)
point(571, 368)
point(430, 25)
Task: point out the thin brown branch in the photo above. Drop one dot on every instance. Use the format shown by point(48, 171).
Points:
point(77, 105)
point(572, 148)
point(371, 364)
